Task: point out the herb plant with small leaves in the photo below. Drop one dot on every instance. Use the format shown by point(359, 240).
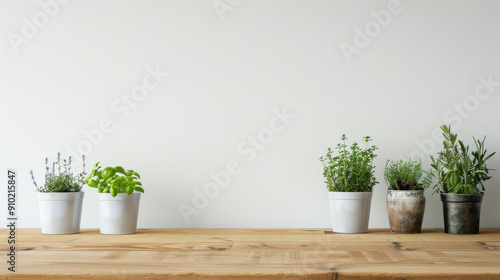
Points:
point(350, 169)
point(406, 175)
point(61, 178)
point(114, 180)
point(458, 170)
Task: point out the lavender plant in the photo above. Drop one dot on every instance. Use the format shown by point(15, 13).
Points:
point(61, 178)
point(352, 170)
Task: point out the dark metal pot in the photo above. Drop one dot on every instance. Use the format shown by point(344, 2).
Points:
point(461, 212)
point(405, 210)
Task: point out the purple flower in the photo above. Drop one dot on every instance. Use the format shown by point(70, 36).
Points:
point(33, 178)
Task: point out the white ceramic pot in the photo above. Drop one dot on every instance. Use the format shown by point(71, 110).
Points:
point(350, 211)
point(60, 212)
point(118, 215)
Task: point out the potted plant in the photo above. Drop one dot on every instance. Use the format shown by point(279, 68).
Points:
point(60, 198)
point(119, 194)
point(459, 174)
point(349, 174)
point(405, 195)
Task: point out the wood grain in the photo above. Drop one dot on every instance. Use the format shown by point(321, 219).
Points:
point(242, 254)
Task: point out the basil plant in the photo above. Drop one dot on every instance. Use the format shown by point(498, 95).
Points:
point(114, 180)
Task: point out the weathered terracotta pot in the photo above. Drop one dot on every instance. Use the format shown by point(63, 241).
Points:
point(406, 210)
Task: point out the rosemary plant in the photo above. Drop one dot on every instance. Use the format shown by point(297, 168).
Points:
point(457, 170)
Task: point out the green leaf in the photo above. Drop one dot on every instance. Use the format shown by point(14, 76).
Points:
point(88, 179)
point(139, 189)
point(96, 167)
point(120, 169)
point(130, 190)
point(108, 173)
point(113, 192)
point(92, 183)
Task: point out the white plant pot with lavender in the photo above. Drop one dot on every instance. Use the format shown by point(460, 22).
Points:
point(60, 212)
point(349, 174)
point(60, 199)
point(119, 196)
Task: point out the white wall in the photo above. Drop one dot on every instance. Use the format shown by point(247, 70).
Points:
point(229, 72)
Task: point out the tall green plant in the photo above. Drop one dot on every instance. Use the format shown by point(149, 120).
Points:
point(352, 169)
point(406, 175)
point(456, 169)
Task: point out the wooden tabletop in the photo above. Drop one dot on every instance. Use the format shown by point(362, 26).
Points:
point(253, 254)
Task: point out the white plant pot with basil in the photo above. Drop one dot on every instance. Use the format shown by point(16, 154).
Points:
point(119, 194)
point(349, 175)
point(459, 174)
point(60, 199)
